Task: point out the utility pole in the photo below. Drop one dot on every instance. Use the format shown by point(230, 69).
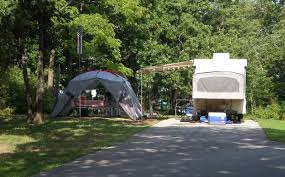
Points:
point(79, 52)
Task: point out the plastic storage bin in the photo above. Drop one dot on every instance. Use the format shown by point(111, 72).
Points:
point(217, 118)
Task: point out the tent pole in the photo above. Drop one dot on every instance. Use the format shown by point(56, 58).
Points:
point(141, 92)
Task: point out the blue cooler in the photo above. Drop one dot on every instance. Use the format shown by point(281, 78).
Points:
point(202, 119)
point(217, 118)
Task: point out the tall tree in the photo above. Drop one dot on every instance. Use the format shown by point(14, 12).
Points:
point(42, 12)
point(176, 32)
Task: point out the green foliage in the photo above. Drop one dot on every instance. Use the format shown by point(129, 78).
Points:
point(176, 32)
point(12, 91)
point(16, 89)
point(49, 101)
point(129, 10)
point(101, 48)
point(7, 111)
point(272, 111)
point(259, 85)
point(4, 96)
point(59, 32)
point(6, 8)
point(99, 37)
point(126, 35)
point(128, 17)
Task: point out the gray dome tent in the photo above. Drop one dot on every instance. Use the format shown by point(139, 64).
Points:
point(117, 85)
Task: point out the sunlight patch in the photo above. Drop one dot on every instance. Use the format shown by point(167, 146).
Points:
point(12, 142)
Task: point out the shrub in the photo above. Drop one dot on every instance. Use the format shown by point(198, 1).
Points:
point(49, 100)
point(272, 111)
point(12, 90)
point(4, 95)
point(16, 90)
point(283, 110)
point(7, 111)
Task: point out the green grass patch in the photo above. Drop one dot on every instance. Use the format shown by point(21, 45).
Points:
point(27, 149)
point(274, 129)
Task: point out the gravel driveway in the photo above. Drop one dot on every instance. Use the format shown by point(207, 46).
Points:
point(171, 148)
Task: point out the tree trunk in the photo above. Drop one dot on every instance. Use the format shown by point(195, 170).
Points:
point(27, 87)
point(51, 70)
point(39, 118)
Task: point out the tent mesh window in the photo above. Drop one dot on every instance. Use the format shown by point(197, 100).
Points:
point(217, 84)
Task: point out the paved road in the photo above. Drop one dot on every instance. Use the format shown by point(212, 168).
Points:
point(171, 148)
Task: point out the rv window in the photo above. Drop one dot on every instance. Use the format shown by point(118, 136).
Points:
point(217, 84)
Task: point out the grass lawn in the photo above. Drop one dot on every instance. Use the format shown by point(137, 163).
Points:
point(27, 149)
point(274, 129)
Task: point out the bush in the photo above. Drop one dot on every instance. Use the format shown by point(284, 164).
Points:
point(12, 91)
point(49, 100)
point(4, 95)
point(283, 110)
point(7, 111)
point(272, 111)
point(17, 90)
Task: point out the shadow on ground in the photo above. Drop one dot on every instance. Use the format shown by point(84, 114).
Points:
point(57, 142)
point(179, 150)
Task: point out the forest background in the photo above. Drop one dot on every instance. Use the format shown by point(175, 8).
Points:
point(38, 47)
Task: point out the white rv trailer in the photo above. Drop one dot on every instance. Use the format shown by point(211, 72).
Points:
point(219, 84)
